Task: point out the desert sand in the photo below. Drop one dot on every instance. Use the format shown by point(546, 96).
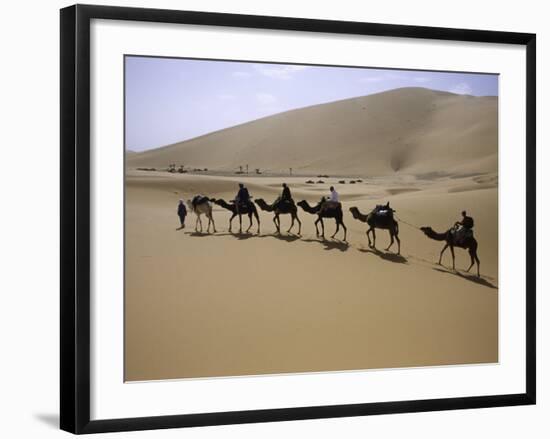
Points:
point(229, 304)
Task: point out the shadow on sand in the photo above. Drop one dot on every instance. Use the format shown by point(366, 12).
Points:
point(288, 237)
point(330, 244)
point(195, 234)
point(392, 257)
point(471, 277)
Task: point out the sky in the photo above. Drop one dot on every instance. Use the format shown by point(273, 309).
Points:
point(169, 100)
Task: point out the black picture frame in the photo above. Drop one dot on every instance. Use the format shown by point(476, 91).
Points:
point(75, 218)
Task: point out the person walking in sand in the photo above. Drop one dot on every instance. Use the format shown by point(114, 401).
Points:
point(182, 213)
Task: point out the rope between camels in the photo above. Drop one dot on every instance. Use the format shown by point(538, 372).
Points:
point(405, 222)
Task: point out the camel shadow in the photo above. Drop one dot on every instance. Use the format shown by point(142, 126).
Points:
point(288, 237)
point(392, 257)
point(241, 236)
point(471, 277)
point(200, 234)
point(330, 244)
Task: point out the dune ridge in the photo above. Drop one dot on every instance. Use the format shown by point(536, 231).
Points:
point(412, 130)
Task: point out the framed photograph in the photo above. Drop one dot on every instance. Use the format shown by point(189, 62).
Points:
point(275, 218)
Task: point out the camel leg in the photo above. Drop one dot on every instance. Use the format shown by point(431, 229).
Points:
point(258, 221)
point(316, 226)
point(373, 238)
point(453, 255)
point(337, 228)
point(276, 225)
point(368, 237)
point(391, 240)
point(291, 224)
point(398, 244)
point(473, 258)
point(441, 254)
point(240, 223)
point(300, 225)
point(231, 220)
point(471, 261)
point(199, 222)
point(249, 219)
point(211, 218)
point(322, 227)
point(345, 232)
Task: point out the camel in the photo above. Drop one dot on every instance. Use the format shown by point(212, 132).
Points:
point(249, 210)
point(468, 243)
point(335, 212)
point(280, 209)
point(379, 222)
point(205, 207)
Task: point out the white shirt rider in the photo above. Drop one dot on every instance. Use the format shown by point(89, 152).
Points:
point(333, 195)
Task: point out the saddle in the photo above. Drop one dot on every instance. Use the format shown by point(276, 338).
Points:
point(327, 204)
point(242, 205)
point(279, 203)
point(460, 234)
point(199, 199)
point(383, 211)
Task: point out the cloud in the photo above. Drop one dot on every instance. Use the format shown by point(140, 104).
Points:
point(382, 77)
point(371, 79)
point(240, 74)
point(422, 79)
point(226, 97)
point(278, 72)
point(461, 88)
point(265, 98)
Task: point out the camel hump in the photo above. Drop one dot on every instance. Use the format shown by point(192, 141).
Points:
point(332, 204)
point(200, 199)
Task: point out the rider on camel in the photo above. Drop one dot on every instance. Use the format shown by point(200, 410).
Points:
point(243, 197)
point(463, 228)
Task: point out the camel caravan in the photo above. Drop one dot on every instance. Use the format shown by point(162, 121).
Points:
point(381, 217)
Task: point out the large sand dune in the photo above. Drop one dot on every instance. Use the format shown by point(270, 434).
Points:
point(413, 130)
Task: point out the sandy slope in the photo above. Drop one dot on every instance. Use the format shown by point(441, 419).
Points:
point(226, 304)
point(413, 129)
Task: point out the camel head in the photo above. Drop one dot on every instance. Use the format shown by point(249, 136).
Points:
point(354, 211)
point(432, 234)
point(306, 207)
point(263, 205)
